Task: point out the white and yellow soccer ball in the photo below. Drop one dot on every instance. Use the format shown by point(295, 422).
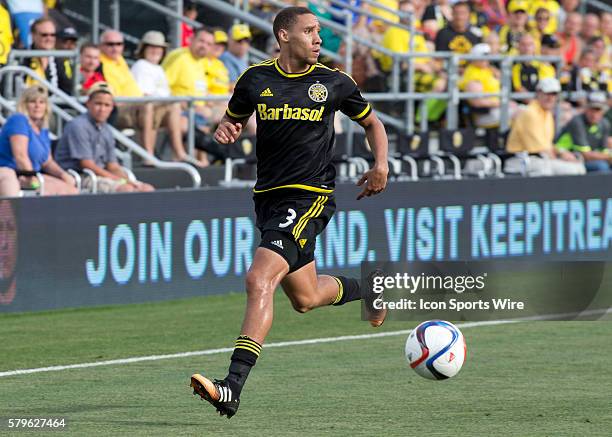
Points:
point(436, 349)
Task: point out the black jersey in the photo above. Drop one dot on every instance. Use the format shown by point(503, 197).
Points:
point(295, 122)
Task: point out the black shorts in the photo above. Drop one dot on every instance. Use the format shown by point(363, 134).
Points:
point(290, 220)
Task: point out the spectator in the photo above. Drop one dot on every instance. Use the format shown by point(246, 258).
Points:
point(480, 77)
point(571, 45)
point(190, 10)
point(152, 80)
point(91, 68)
point(549, 46)
point(590, 27)
point(385, 13)
point(587, 76)
point(511, 33)
point(552, 6)
point(533, 131)
point(24, 12)
point(479, 18)
point(218, 76)
point(25, 145)
point(67, 39)
point(235, 57)
point(542, 20)
point(492, 39)
point(606, 31)
point(603, 60)
point(495, 12)
point(185, 67)
point(6, 34)
point(58, 71)
point(458, 36)
point(187, 76)
point(147, 117)
point(525, 74)
point(88, 143)
point(397, 39)
point(567, 7)
point(589, 135)
point(220, 42)
point(436, 17)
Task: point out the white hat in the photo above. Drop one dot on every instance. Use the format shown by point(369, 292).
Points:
point(481, 49)
point(549, 85)
point(154, 38)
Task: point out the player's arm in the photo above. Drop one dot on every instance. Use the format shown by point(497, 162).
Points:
point(375, 179)
point(239, 110)
point(229, 129)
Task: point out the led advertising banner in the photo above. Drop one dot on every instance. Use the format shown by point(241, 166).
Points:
point(108, 249)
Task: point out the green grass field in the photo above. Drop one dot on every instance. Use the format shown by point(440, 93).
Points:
point(523, 379)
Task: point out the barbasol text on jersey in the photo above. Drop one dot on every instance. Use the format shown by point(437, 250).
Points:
point(287, 112)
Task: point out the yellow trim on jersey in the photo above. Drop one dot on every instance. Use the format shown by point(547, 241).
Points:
point(291, 75)
point(299, 186)
point(349, 76)
point(236, 116)
point(261, 64)
point(318, 64)
point(362, 113)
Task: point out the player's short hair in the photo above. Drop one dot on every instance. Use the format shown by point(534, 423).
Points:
point(287, 17)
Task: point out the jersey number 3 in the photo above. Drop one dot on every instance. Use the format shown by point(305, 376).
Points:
point(289, 219)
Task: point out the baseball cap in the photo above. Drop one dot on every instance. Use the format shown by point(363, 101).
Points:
point(240, 31)
point(68, 33)
point(550, 41)
point(100, 87)
point(518, 5)
point(220, 36)
point(481, 49)
point(597, 100)
point(549, 85)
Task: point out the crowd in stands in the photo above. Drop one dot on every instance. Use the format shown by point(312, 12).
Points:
point(210, 60)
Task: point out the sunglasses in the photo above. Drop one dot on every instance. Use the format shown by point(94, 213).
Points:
point(113, 43)
point(48, 35)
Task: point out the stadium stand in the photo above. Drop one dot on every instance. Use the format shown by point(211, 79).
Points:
point(436, 71)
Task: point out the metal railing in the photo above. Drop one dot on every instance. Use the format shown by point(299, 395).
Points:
point(18, 55)
point(133, 147)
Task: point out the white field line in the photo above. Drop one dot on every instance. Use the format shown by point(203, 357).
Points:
point(290, 343)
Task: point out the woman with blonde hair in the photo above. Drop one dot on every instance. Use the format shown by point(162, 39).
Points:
point(25, 146)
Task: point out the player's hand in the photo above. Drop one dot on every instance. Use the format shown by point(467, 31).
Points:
point(375, 181)
point(228, 132)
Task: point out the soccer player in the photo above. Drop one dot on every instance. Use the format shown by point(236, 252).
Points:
point(294, 99)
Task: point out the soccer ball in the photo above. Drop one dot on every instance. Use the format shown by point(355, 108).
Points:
point(436, 349)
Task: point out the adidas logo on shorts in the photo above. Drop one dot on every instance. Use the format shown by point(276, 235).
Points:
point(278, 243)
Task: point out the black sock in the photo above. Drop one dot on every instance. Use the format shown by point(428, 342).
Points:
point(245, 356)
point(349, 290)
